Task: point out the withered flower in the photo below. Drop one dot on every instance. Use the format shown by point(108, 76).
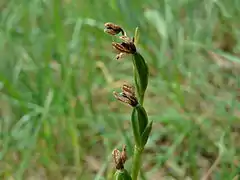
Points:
point(119, 157)
point(126, 39)
point(125, 47)
point(127, 95)
point(113, 29)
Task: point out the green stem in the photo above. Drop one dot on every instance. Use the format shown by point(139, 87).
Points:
point(137, 158)
point(141, 97)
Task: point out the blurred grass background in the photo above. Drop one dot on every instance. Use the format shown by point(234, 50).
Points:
point(59, 119)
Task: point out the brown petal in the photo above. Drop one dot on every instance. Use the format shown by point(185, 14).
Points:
point(128, 89)
point(113, 29)
point(120, 47)
point(122, 98)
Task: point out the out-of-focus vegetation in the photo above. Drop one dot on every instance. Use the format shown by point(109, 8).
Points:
point(59, 119)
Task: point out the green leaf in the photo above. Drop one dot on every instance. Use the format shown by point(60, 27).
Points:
point(135, 127)
point(146, 134)
point(122, 175)
point(142, 118)
point(139, 124)
point(137, 83)
point(136, 36)
point(141, 75)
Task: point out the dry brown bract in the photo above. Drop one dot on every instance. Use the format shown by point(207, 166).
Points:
point(120, 157)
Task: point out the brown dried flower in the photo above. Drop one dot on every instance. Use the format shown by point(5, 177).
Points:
point(125, 47)
point(127, 95)
point(113, 29)
point(120, 157)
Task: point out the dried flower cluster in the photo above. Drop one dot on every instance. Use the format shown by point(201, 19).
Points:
point(120, 157)
point(113, 29)
point(125, 47)
point(127, 95)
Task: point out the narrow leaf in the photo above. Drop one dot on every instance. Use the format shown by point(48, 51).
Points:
point(137, 82)
point(141, 74)
point(135, 127)
point(142, 118)
point(146, 133)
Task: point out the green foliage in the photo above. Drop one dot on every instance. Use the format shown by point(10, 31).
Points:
point(135, 127)
point(122, 175)
point(140, 75)
point(146, 133)
point(140, 126)
point(142, 118)
point(57, 72)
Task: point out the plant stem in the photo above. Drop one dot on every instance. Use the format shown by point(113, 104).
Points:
point(137, 158)
point(141, 97)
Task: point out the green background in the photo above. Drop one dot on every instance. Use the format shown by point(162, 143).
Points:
point(59, 119)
